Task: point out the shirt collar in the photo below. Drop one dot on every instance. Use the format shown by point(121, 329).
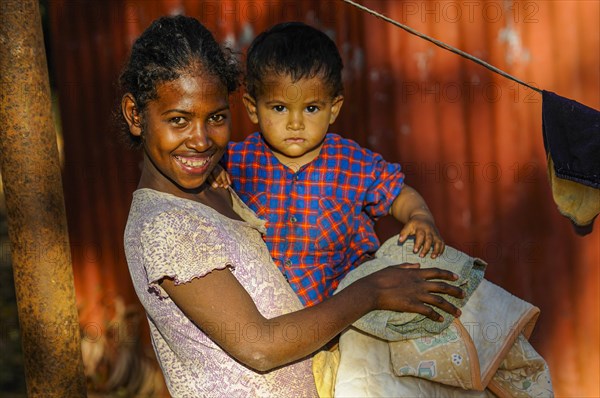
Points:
point(316, 162)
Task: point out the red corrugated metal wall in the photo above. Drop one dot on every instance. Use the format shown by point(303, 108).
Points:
point(470, 141)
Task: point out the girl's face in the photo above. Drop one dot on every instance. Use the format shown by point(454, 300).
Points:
point(185, 132)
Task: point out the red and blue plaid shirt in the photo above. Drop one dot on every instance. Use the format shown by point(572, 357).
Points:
point(320, 219)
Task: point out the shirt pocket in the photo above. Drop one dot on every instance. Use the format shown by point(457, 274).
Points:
point(334, 225)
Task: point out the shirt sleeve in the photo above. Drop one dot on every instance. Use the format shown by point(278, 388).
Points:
point(182, 246)
point(387, 183)
point(224, 161)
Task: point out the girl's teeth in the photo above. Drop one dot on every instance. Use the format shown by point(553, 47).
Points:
point(193, 163)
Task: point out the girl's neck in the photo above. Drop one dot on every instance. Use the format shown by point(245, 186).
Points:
point(217, 198)
point(220, 200)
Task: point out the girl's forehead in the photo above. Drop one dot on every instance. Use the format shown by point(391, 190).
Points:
point(194, 83)
point(203, 85)
point(191, 92)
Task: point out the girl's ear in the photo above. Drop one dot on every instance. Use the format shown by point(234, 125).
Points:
point(336, 107)
point(250, 104)
point(131, 114)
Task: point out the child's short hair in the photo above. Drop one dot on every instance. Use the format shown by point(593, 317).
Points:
point(297, 50)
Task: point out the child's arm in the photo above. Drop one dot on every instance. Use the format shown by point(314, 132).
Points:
point(410, 209)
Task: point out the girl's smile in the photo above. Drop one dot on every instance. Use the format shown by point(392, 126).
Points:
point(193, 164)
point(185, 131)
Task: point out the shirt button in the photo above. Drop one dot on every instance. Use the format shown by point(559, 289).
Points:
point(296, 177)
point(293, 219)
point(288, 263)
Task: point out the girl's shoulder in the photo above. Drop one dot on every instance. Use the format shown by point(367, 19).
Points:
point(151, 208)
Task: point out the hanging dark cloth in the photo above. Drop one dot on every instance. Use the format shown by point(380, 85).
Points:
point(572, 141)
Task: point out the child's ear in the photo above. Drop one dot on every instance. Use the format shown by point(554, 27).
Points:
point(336, 107)
point(131, 114)
point(250, 104)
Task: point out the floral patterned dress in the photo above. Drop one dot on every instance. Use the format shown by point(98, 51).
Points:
point(167, 236)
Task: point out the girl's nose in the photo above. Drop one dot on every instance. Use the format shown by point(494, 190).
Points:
point(198, 139)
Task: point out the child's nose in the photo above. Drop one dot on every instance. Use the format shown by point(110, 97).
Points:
point(295, 121)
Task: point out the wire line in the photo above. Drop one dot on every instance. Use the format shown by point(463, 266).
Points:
point(442, 45)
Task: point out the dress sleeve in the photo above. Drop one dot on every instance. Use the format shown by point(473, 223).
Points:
point(182, 246)
point(388, 180)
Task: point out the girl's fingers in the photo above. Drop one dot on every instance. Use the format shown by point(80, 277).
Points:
point(429, 313)
point(444, 288)
point(437, 273)
point(443, 304)
point(449, 308)
point(409, 265)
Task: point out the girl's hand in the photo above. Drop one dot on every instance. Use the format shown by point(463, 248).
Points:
point(219, 178)
point(408, 288)
point(426, 235)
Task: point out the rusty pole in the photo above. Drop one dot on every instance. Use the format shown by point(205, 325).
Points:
point(37, 225)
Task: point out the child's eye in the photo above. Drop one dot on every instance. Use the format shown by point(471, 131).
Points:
point(312, 108)
point(279, 108)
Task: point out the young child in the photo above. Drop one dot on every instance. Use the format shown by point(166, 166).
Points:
point(320, 193)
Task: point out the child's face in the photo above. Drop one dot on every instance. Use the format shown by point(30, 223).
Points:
point(184, 132)
point(294, 117)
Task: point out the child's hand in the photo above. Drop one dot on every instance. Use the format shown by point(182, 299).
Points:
point(219, 178)
point(426, 235)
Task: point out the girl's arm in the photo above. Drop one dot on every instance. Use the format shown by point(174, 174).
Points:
point(222, 308)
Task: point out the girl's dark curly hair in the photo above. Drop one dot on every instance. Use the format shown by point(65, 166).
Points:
point(168, 48)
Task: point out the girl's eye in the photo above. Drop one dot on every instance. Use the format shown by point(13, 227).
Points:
point(178, 121)
point(217, 118)
point(279, 108)
point(312, 108)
